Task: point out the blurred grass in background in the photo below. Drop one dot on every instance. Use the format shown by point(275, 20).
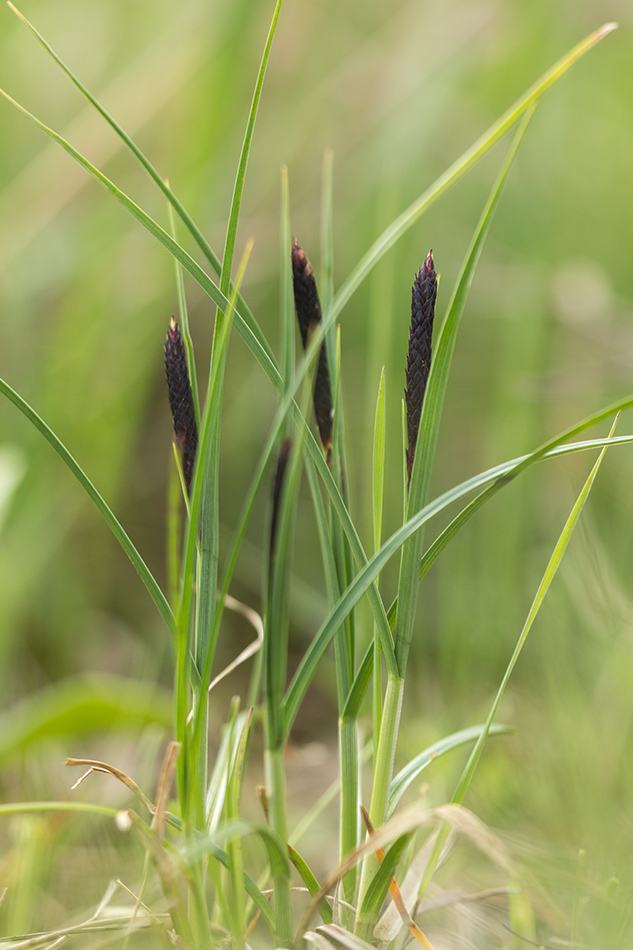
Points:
point(398, 90)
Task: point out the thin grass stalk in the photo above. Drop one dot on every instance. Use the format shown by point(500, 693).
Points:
point(415, 211)
point(286, 310)
point(334, 493)
point(342, 553)
point(349, 756)
point(219, 778)
point(173, 532)
point(383, 771)
point(148, 579)
point(441, 541)
point(221, 807)
point(324, 529)
point(345, 642)
point(209, 538)
point(221, 890)
point(275, 652)
point(401, 782)
point(238, 188)
point(275, 770)
point(453, 173)
point(287, 337)
point(344, 657)
point(192, 763)
point(432, 409)
point(154, 175)
point(328, 415)
point(429, 423)
point(276, 616)
point(544, 585)
point(348, 729)
point(378, 479)
point(346, 647)
point(206, 588)
point(505, 472)
point(182, 706)
point(342, 514)
point(310, 882)
point(234, 848)
point(419, 473)
point(391, 233)
point(26, 808)
point(277, 585)
point(199, 728)
point(198, 912)
point(245, 325)
point(327, 231)
point(364, 674)
point(184, 319)
point(208, 606)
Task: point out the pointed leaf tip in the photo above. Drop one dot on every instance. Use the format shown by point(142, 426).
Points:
point(607, 28)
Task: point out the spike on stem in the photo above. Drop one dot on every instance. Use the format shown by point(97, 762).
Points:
point(308, 310)
point(181, 401)
point(423, 298)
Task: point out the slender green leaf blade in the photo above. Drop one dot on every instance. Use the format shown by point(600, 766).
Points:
point(145, 163)
point(184, 320)
point(287, 314)
point(246, 326)
point(455, 171)
point(110, 518)
point(408, 583)
point(326, 283)
point(546, 580)
point(377, 890)
point(238, 190)
point(505, 472)
point(378, 460)
point(310, 882)
point(552, 566)
point(401, 782)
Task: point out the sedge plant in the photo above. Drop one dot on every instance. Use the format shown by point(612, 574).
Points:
point(195, 845)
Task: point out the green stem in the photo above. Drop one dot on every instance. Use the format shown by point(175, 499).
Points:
point(276, 786)
point(383, 770)
point(198, 909)
point(349, 757)
point(209, 539)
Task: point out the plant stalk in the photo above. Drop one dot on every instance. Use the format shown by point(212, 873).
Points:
point(383, 770)
point(276, 786)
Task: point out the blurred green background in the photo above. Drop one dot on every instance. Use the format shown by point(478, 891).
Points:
point(398, 90)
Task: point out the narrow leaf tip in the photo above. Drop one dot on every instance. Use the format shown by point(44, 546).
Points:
point(607, 28)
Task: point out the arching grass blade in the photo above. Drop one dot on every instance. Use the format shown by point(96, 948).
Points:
point(114, 524)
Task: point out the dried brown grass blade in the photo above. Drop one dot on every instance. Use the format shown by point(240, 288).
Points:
point(396, 896)
point(95, 765)
point(406, 821)
point(164, 787)
point(256, 623)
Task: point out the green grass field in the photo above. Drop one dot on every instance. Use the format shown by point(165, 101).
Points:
point(398, 91)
